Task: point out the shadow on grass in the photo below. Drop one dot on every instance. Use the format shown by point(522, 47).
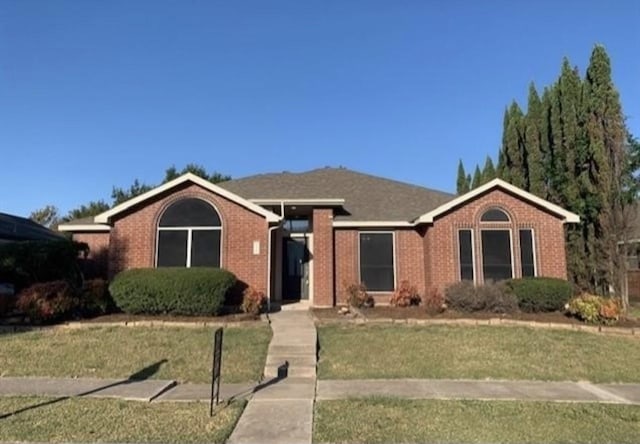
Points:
point(140, 375)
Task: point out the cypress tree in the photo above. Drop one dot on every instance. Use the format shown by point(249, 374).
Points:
point(513, 147)
point(533, 136)
point(477, 178)
point(489, 171)
point(462, 184)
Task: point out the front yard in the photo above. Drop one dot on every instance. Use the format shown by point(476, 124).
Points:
point(382, 420)
point(104, 420)
point(474, 352)
point(183, 354)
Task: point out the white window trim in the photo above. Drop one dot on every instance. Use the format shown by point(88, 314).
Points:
point(533, 248)
point(508, 221)
point(393, 258)
point(481, 257)
point(473, 254)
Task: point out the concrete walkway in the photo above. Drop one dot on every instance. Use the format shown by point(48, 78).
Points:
point(282, 412)
point(481, 390)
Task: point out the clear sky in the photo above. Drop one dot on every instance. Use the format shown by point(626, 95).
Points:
point(98, 93)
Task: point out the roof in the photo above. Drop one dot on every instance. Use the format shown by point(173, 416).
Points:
point(567, 216)
point(16, 228)
point(366, 197)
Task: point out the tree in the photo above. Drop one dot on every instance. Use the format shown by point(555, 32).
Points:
point(514, 155)
point(91, 209)
point(477, 178)
point(120, 195)
point(46, 216)
point(462, 182)
point(489, 171)
point(536, 174)
point(213, 177)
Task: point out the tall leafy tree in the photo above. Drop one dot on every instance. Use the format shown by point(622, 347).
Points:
point(47, 216)
point(488, 171)
point(536, 174)
point(515, 161)
point(462, 182)
point(90, 209)
point(119, 195)
point(477, 178)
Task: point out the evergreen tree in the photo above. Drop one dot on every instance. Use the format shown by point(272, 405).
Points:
point(477, 178)
point(533, 122)
point(462, 184)
point(46, 216)
point(489, 171)
point(515, 162)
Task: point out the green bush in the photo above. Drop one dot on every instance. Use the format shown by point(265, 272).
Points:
point(178, 291)
point(48, 301)
point(595, 309)
point(541, 294)
point(25, 263)
point(491, 297)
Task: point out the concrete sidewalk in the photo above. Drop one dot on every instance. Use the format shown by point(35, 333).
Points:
point(481, 390)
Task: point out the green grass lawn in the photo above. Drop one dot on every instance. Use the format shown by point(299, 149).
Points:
point(382, 420)
point(103, 420)
point(396, 351)
point(118, 352)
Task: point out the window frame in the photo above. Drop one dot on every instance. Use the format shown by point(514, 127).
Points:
point(508, 221)
point(393, 258)
point(533, 250)
point(511, 249)
point(189, 230)
point(473, 255)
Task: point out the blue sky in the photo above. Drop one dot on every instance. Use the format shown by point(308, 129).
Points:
point(99, 93)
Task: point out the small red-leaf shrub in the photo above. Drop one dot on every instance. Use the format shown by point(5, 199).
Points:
point(253, 301)
point(405, 295)
point(48, 301)
point(433, 301)
point(595, 309)
point(358, 297)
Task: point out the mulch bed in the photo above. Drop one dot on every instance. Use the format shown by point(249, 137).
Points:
point(400, 313)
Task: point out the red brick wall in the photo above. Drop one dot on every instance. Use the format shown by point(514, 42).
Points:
point(323, 256)
point(409, 260)
point(133, 236)
point(441, 243)
point(95, 264)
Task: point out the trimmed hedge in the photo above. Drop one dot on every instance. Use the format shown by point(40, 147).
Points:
point(178, 291)
point(541, 294)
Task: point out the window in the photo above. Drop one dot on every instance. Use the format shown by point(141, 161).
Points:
point(496, 255)
point(376, 261)
point(189, 235)
point(494, 215)
point(300, 225)
point(527, 258)
point(465, 243)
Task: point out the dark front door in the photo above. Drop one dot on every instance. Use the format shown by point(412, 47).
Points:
point(296, 268)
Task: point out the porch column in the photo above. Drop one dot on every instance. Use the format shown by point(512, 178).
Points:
point(323, 257)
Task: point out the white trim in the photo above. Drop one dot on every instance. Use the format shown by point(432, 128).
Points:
point(84, 227)
point(473, 254)
point(511, 248)
point(381, 224)
point(284, 201)
point(393, 258)
point(188, 177)
point(568, 216)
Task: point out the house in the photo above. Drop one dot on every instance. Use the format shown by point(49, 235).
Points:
point(16, 228)
point(308, 235)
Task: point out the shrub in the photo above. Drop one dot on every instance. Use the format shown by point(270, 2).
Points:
point(433, 301)
point(358, 297)
point(48, 301)
point(95, 298)
point(541, 294)
point(25, 263)
point(492, 297)
point(462, 296)
point(405, 295)
point(496, 298)
point(178, 291)
point(594, 309)
point(253, 301)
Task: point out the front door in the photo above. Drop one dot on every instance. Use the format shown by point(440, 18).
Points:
point(296, 268)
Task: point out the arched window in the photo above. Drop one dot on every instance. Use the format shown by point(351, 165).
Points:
point(189, 235)
point(494, 215)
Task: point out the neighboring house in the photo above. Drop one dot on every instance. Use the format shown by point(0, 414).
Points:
point(308, 235)
point(15, 228)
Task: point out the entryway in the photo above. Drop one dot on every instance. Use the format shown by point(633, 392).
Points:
point(296, 267)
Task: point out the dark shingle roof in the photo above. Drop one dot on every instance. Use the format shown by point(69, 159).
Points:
point(15, 228)
point(367, 197)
